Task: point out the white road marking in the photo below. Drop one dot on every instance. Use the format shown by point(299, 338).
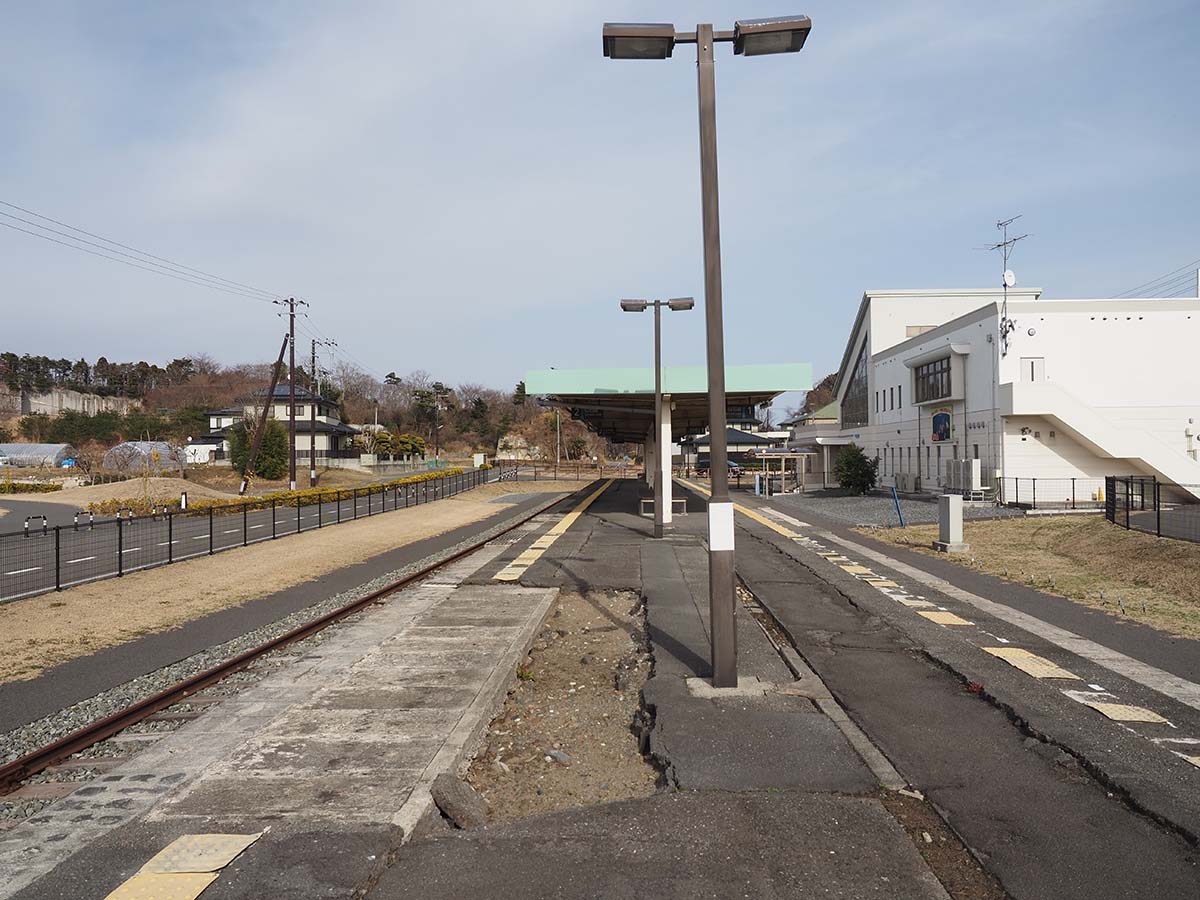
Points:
point(200, 537)
point(131, 549)
point(784, 517)
point(230, 530)
point(164, 543)
point(1186, 692)
point(23, 571)
point(81, 559)
point(258, 526)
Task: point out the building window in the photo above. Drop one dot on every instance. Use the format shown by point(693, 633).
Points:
point(933, 380)
point(854, 402)
point(877, 401)
point(891, 398)
point(900, 395)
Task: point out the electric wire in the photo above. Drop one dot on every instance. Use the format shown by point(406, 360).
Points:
point(229, 281)
point(1186, 271)
point(165, 274)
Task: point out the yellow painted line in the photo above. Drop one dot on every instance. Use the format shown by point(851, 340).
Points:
point(157, 886)
point(1030, 663)
point(528, 557)
point(1123, 712)
point(941, 617)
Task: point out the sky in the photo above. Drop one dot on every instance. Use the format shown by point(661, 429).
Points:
point(470, 191)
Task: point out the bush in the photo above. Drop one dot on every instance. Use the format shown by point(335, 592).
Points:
point(272, 461)
point(25, 487)
point(854, 471)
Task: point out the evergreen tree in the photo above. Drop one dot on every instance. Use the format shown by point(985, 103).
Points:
point(854, 471)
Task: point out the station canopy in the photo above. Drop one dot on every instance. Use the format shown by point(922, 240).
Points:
point(619, 403)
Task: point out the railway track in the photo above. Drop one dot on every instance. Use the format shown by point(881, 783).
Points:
point(14, 773)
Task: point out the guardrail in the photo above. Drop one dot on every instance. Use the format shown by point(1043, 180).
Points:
point(40, 559)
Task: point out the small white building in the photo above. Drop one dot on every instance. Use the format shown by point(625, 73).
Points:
point(1065, 391)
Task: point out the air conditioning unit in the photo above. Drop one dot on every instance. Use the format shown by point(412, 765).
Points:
point(962, 475)
point(902, 482)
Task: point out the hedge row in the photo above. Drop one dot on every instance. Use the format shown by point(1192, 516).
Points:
point(142, 506)
point(25, 487)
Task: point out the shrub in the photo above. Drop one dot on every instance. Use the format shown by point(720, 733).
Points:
point(25, 487)
point(854, 471)
point(272, 460)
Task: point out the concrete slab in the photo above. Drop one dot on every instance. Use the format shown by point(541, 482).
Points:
point(681, 845)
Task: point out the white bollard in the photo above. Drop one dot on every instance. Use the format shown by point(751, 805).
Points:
point(950, 525)
point(183, 500)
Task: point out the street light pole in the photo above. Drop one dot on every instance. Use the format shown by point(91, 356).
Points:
point(754, 37)
point(661, 444)
point(721, 597)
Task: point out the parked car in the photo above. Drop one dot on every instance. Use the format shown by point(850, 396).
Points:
point(735, 471)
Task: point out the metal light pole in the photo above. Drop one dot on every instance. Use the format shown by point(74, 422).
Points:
point(678, 304)
point(750, 38)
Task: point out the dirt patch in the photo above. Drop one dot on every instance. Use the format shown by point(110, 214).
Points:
point(947, 857)
point(568, 735)
point(43, 631)
point(167, 489)
point(1082, 558)
point(224, 478)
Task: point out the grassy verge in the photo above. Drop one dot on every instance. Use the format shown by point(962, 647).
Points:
point(1085, 559)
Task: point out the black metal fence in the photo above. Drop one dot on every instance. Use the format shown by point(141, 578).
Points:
point(41, 557)
point(1143, 503)
point(1052, 493)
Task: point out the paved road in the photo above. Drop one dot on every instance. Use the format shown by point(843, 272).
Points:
point(104, 548)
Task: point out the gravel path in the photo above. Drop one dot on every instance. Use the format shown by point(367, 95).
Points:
point(38, 733)
point(876, 510)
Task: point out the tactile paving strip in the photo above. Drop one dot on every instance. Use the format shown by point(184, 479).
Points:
point(1030, 663)
point(199, 852)
point(941, 617)
point(157, 886)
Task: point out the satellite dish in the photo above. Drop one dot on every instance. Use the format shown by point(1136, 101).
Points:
point(1009, 278)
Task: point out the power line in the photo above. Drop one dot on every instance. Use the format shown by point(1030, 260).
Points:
point(196, 279)
point(229, 281)
point(1188, 270)
point(164, 273)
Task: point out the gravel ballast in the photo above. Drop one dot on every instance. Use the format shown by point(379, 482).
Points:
point(872, 509)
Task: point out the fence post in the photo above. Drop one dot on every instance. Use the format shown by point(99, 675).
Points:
point(120, 548)
point(57, 565)
point(355, 491)
point(273, 535)
point(210, 532)
point(245, 522)
point(170, 538)
point(319, 505)
point(1157, 510)
point(1128, 490)
point(1072, 493)
point(1034, 494)
point(297, 515)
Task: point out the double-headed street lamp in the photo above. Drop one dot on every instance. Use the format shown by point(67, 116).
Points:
point(678, 304)
point(753, 37)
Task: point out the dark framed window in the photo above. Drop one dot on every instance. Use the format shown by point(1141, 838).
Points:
point(933, 380)
point(854, 402)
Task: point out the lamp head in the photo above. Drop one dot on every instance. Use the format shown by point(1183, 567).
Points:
point(638, 40)
point(634, 305)
point(758, 37)
point(681, 303)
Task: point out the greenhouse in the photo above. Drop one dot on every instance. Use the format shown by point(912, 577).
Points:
point(142, 457)
point(36, 455)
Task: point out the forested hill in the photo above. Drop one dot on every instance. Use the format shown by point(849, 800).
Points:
point(120, 379)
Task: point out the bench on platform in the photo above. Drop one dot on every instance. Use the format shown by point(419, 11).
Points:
point(678, 506)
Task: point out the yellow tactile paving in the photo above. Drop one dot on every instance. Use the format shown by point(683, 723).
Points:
point(199, 852)
point(881, 583)
point(515, 569)
point(1194, 760)
point(941, 617)
point(910, 601)
point(1029, 663)
point(856, 570)
point(1123, 712)
point(155, 886)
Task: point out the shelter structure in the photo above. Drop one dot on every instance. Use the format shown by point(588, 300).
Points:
point(37, 455)
point(141, 457)
point(619, 404)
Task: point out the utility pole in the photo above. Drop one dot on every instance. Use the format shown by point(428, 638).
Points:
point(312, 418)
point(291, 303)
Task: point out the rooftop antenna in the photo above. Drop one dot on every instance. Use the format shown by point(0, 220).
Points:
point(1007, 325)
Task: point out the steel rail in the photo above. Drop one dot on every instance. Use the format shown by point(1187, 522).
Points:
point(18, 770)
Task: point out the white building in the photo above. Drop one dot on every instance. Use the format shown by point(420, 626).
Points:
point(1079, 390)
point(332, 438)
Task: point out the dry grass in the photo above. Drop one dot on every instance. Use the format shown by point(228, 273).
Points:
point(167, 489)
point(1078, 557)
point(224, 478)
point(44, 631)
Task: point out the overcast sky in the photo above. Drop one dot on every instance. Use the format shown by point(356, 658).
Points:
point(470, 191)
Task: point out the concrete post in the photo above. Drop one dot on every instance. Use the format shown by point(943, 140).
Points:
point(664, 441)
point(950, 524)
point(649, 455)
